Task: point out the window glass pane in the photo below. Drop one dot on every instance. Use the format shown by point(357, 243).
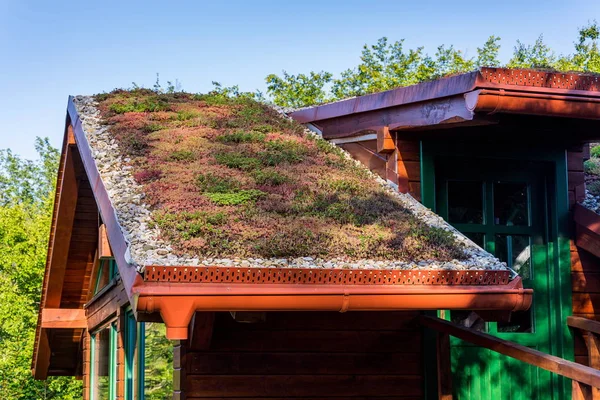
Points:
point(511, 204)
point(104, 275)
point(468, 319)
point(515, 250)
point(465, 202)
point(158, 363)
point(102, 365)
point(478, 238)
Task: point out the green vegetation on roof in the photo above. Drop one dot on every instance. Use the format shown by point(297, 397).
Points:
point(231, 177)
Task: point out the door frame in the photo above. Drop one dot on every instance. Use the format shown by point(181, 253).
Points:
point(559, 250)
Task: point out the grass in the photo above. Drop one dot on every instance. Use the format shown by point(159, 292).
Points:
point(229, 177)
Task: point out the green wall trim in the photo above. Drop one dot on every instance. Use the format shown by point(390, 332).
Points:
point(561, 340)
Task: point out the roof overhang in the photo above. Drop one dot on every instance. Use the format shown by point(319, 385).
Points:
point(462, 100)
point(178, 292)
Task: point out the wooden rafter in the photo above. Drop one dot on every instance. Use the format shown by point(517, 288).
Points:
point(63, 318)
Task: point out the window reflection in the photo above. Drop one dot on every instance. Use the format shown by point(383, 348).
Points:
point(511, 204)
point(158, 362)
point(465, 202)
point(101, 373)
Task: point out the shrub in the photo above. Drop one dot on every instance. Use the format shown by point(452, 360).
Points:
point(592, 167)
point(345, 186)
point(186, 115)
point(181, 155)
point(134, 143)
point(192, 224)
point(595, 151)
point(238, 161)
point(212, 183)
point(235, 198)
point(594, 188)
point(242, 137)
point(149, 104)
point(152, 127)
point(283, 151)
point(269, 177)
point(293, 242)
point(147, 175)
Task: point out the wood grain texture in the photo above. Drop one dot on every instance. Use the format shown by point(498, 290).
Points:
point(309, 355)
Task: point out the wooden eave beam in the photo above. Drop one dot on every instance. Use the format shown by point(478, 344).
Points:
point(61, 239)
point(63, 216)
point(445, 111)
point(63, 318)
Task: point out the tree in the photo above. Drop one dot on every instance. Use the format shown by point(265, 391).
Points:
point(386, 65)
point(298, 90)
point(26, 195)
point(382, 66)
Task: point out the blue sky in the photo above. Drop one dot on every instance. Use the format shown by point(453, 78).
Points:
point(50, 49)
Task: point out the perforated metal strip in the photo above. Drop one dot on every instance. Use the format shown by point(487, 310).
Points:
point(323, 276)
point(534, 78)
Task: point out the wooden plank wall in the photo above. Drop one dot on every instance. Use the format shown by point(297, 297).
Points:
point(576, 155)
point(585, 280)
point(585, 267)
point(307, 355)
point(403, 166)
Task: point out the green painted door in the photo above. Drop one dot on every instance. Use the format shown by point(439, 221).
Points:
point(502, 206)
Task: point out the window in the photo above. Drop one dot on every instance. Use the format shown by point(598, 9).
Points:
point(148, 361)
point(107, 271)
point(103, 363)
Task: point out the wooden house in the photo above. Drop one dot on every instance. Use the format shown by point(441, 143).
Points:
point(151, 251)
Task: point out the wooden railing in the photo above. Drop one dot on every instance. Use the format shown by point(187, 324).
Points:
point(590, 330)
point(587, 378)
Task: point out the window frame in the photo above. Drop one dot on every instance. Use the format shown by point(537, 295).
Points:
point(112, 360)
point(135, 347)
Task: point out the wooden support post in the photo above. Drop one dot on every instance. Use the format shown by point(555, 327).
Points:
point(104, 250)
point(444, 367)
point(385, 142)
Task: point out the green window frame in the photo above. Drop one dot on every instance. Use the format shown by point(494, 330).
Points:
point(112, 273)
point(134, 351)
point(112, 369)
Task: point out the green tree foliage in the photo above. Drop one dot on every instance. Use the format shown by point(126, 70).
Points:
point(298, 90)
point(158, 380)
point(26, 194)
point(386, 65)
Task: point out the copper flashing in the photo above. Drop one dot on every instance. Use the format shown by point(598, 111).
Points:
point(177, 302)
point(324, 276)
point(517, 80)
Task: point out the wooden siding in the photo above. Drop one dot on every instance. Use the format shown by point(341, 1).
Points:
point(403, 166)
point(306, 355)
point(585, 280)
point(576, 155)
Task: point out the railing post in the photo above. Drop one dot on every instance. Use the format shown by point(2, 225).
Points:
point(593, 346)
point(444, 367)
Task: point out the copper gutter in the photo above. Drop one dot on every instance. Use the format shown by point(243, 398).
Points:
point(518, 102)
point(177, 302)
